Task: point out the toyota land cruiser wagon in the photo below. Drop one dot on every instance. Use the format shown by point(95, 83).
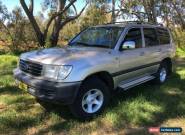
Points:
point(97, 62)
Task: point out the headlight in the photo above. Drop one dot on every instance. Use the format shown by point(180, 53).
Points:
point(64, 71)
point(56, 72)
point(50, 71)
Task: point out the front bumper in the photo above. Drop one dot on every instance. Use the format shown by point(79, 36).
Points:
point(55, 92)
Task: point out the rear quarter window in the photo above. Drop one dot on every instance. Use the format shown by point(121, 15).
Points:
point(163, 36)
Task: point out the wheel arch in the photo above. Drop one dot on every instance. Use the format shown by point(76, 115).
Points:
point(168, 61)
point(105, 77)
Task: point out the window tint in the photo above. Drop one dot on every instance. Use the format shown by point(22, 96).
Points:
point(163, 35)
point(134, 34)
point(150, 37)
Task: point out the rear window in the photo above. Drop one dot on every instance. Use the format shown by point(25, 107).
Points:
point(150, 37)
point(163, 35)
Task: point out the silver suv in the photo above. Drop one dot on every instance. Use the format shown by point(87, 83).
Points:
point(95, 63)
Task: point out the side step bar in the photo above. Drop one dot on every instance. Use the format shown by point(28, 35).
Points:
point(131, 84)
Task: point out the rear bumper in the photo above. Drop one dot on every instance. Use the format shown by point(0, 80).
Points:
point(55, 92)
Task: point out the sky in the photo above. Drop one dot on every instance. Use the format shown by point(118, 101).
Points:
point(11, 4)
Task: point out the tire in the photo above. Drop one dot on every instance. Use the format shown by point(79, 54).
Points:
point(92, 98)
point(162, 73)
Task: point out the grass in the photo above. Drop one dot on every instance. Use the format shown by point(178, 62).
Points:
point(130, 112)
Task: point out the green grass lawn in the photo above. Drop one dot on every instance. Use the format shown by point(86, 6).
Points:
point(128, 112)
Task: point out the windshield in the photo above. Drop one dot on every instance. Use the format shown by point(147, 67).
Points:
point(98, 37)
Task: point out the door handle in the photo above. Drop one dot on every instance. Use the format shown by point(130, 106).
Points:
point(142, 53)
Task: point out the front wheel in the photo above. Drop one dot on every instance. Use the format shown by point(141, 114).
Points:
point(93, 96)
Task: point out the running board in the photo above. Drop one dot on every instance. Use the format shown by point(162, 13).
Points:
point(131, 84)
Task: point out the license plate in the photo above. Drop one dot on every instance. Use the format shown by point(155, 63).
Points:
point(22, 86)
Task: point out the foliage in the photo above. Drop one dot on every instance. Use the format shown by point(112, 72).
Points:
point(179, 38)
point(69, 31)
point(3, 12)
point(20, 33)
point(142, 106)
point(93, 16)
point(17, 33)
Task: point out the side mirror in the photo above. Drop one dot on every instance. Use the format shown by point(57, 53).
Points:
point(128, 45)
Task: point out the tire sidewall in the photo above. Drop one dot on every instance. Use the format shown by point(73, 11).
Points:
point(92, 83)
point(162, 66)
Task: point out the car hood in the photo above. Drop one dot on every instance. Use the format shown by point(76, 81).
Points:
point(66, 55)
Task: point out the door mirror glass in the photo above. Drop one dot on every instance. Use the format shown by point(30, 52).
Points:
point(129, 45)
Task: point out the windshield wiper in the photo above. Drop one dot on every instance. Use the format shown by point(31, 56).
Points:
point(80, 43)
point(90, 45)
point(101, 46)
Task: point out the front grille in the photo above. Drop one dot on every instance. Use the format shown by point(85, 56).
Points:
point(30, 67)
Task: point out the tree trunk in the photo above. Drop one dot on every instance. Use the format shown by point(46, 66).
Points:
point(39, 34)
point(150, 10)
point(55, 36)
point(154, 13)
point(57, 24)
point(113, 11)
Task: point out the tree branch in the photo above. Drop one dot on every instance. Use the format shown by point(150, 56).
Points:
point(7, 30)
point(72, 18)
point(57, 14)
point(75, 9)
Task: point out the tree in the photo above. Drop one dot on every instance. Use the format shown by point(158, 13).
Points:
point(58, 17)
point(16, 25)
point(94, 15)
point(142, 10)
point(22, 33)
point(179, 7)
point(15, 29)
point(113, 11)
point(4, 16)
point(171, 11)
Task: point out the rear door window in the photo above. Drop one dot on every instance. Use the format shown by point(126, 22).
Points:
point(151, 38)
point(163, 35)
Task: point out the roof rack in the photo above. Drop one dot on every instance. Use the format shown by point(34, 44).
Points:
point(135, 22)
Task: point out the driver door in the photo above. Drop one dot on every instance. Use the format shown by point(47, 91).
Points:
point(132, 59)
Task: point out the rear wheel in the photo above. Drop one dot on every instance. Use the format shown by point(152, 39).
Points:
point(91, 100)
point(162, 73)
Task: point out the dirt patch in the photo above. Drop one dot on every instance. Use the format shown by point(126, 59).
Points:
point(2, 107)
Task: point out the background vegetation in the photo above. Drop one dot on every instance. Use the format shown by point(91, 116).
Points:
point(18, 34)
point(130, 112)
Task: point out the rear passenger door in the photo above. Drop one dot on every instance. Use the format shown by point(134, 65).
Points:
point(152, 50)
